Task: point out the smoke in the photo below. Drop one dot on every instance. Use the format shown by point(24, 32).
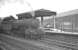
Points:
point(12, 7)
point(5, 2)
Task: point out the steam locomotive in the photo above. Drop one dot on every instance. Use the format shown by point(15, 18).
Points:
point(26, 28)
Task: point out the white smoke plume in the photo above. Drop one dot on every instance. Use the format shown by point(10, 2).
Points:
point(12, 7)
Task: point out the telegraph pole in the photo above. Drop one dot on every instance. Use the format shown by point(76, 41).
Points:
point(32, 11)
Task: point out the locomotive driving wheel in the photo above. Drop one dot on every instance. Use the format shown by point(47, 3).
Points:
point(33, 34)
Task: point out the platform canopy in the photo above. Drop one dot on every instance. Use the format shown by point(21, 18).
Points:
point(38, 13)
point(43, 12)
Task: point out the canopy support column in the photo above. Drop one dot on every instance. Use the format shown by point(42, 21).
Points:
point(42, 20)
point(54, 22)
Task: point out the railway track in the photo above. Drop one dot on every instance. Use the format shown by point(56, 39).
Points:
point(60, 43)
point(13, 43)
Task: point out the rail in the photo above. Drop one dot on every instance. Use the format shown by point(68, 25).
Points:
point(60, 43)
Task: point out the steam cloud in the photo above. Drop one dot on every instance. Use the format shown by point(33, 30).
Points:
point(12, 7)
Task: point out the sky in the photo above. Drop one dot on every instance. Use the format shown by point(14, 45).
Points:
point(55, 5)
point(11, 7)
